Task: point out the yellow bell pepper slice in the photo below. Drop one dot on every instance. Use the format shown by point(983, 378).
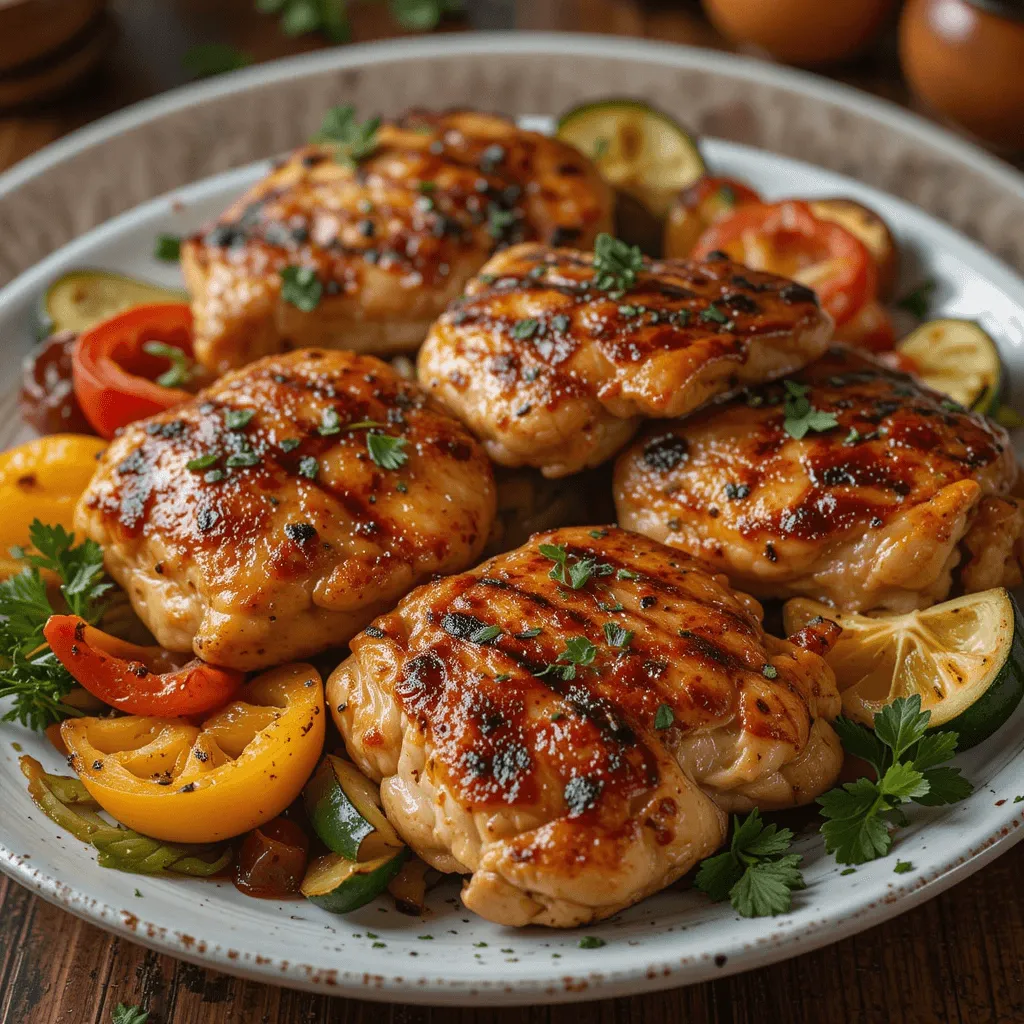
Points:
point(42, 479)
point(185, 783)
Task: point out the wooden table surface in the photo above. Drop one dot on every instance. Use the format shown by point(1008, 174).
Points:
point(959, 957)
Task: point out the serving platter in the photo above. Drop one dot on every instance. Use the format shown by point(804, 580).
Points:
point(450, 956)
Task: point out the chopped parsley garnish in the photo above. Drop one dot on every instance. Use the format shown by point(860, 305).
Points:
point(238, 419)
point(902, 867)
point(616, 635)
point(485, 634)
point(664, 717)
point(616, 264)
point(350, 139)
point(167, 248)
point(243, 459)
point(182, 368)
point(289, 444)
point(31, 675)
point(575, 574)
point(125, 1014)
point(329, 423)
point(908, 763)
point(386, 451)
point(801, 416)
point(918, 301)
point(755, 874)
point(712, 314)
point(579, 652)
point(529, 634)
point(591, 942)
point(309, 467)
point(502, 677)
point(202, 461)
point(769, 671)
point(301, 288)
point(627, 574)
point(853, 437)
point(523, 329)
point(499, 221)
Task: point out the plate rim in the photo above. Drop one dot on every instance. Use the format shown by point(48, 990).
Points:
point(523, 43)
point(649, 976)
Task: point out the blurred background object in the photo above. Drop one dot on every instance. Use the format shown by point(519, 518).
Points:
point(66, 62)
point(965, 59)
point(807, 32)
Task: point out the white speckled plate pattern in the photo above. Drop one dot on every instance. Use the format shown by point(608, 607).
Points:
point(450, 956)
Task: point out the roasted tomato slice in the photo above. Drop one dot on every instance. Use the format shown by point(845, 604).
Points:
point(139, 680)
point(707, 201)
point(870, 329)
point(786, 238)
point(126, 368)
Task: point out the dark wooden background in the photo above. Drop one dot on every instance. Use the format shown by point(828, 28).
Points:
point(958, 958)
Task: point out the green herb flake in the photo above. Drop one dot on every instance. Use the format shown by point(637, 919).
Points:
point(524, 329)
point(386, 451)
point(627, 574)
point(616, 264)
point(902, 867)
point(502, 677)
point(204, 60)
point(329, 423)
point(664, 717)
point(238, 419)
point(848, 871)
point(289, 444)
point(591, 942)
point(243, 459)
point(800, 416)
point(616, 635)
point(485, 634)
point(182, 368)
point(351, 140)
point(125, 1014)
point(167, 248)
point(309, 467)
point(769, 671)
point(301, 288)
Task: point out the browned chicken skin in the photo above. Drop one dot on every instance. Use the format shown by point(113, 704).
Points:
point(570, 790)
point(286, 536)
point(392, 240)
point(867, 514)
point(551, 371)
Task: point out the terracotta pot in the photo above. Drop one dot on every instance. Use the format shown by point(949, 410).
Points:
point(966, 60)
point(801, 31)
point(31, 29)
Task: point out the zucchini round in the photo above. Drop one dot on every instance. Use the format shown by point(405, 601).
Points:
point(81, 298)
point(344, 809)
point(340, 885)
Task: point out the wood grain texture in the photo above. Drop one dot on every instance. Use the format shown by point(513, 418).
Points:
point(958, 958)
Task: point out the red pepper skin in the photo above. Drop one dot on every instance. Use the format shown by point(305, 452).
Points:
point(137, 680)
point(113, 376)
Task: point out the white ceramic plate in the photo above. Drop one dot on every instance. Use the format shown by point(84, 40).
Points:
point(451, 956)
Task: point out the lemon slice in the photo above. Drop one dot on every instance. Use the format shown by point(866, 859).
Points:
point(957, 358)
point(637, 149)
point(964, 657)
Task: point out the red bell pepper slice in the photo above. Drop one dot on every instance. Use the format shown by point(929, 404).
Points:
point(114, 377)
point(786, 238)
point(138, 680)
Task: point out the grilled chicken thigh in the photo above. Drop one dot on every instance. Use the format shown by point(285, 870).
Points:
point(573, 745)
point(552, 365)
point(280, 511)
point(392, 239)
point(869, 513)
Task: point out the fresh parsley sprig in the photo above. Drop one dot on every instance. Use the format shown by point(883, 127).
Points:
point(351, 140)
point(572, 571)
point(908, 764)
point(579, 652)
point(125, 1014)
point(30, 674)
point(616, 264)
point(755, 874)
point(801, 416)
